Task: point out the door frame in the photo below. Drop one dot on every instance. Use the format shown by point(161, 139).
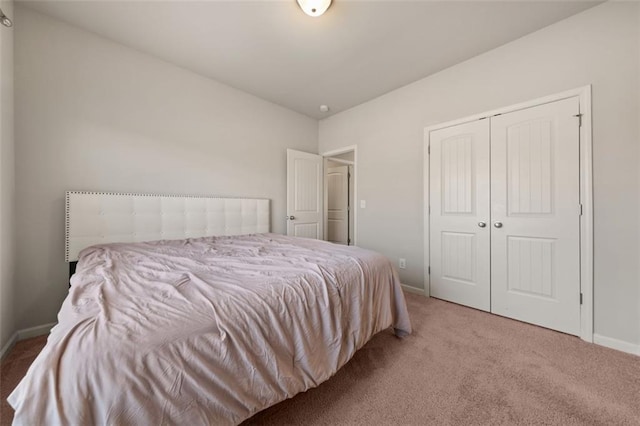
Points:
point(586, 193)
point(354, 209)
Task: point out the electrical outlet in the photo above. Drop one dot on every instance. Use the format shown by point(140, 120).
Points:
point(402, 263)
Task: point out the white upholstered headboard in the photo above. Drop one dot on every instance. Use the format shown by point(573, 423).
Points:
point(102, 217)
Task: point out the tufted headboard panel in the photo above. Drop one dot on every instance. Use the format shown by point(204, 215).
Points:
point(102, 217)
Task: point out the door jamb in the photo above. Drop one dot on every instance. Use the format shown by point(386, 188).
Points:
point(354, 208)
point(586, 193)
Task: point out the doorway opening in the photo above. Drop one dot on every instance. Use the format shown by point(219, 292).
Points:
point(340, 196)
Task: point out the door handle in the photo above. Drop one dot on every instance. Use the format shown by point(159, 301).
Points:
point(482, 224)
point(497, 224)
point(290, 217)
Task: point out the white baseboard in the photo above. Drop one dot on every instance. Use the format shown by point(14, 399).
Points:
point(38, 330)
point(9, 345)
point(412, 289)
point(23, 334)
point(619, 345)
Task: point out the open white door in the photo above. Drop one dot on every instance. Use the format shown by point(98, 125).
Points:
point(304, 194)
point(338, 204)
point(460, 234)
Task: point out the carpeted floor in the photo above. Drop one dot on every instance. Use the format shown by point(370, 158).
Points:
point(459, 367)
point(13, 368)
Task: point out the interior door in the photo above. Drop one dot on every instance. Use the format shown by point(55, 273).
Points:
point(459, 220)
point(304, 194)
point(535, 258)
point(338, 204)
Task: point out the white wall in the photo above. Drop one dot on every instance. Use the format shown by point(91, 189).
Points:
point(7, 322)
point(599, 46)
point(349, 156)
point(334, 163)
point(95, 115)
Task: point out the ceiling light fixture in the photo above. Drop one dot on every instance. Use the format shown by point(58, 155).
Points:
point(314, 7)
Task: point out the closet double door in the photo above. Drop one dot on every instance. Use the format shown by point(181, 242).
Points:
point(505, 215)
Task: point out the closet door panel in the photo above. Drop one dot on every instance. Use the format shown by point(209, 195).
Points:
point(535, 235)
point(459, 202)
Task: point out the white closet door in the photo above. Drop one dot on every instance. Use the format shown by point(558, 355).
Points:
point(304, 194)
point(338, 204)
point(535, 257)
point(459, 222)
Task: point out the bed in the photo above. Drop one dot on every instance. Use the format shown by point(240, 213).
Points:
point(202, 330)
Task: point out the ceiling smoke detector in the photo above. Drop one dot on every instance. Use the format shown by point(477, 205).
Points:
point(4, 19)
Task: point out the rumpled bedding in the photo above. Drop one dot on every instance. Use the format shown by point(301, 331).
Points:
point(205, 331)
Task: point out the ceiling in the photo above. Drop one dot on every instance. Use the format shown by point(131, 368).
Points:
point(355, 52)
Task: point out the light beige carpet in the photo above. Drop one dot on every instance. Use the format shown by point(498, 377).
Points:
point(459, 367)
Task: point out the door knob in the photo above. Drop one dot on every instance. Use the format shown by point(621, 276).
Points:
point(497, 224)
point(290, 217)
point(482, 224)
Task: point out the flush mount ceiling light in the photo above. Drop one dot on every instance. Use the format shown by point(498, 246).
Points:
point(314, 7)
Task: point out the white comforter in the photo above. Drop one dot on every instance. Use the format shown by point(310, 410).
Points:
point(205, 331)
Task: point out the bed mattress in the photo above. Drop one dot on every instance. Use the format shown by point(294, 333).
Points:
point(205, 331)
